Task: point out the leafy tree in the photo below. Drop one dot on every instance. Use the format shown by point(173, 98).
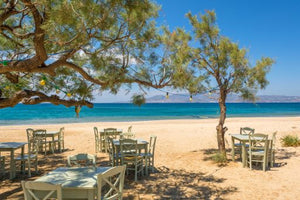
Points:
point(219, 65)
point(62, 51)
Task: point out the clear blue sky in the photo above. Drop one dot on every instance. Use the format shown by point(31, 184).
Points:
point(265, 27)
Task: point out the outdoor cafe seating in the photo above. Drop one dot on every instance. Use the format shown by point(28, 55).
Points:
point(254, 148)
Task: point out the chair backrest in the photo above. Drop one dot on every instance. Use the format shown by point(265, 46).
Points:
point(30, 134)
point(61, 134)
point(152, 144)
point(128, 135)
point(41, 191)
point(110, 183)
point(111, 132)
point(96, 133)
point(40, 134)
point(82, 159)
point(33, 146)
point(246, 131)
point(129, 129)
point(258, 141)
point(128, 148)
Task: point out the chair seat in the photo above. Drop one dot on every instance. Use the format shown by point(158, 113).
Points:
point(127, 158)
point(26, 157)
point(240, 145)
point(146, 154)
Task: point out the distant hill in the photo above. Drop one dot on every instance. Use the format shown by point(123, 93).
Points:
point(184, 98)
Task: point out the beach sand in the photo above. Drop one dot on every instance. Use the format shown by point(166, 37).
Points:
point(184, 169)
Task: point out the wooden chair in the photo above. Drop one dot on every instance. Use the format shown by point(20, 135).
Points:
point(97, 140)
point(108, 132)
point(131, 157)
point(128, 135)
point(149, 156)
point(112, 153)
point(258, 150)
point(41, 191)
point(31, 158)
point(110, 183)
point(2, 165)
point(40, 135)
point(61, 139)
point(81, 159)
point(238, 146)
point(272, 150)
point(129, 129)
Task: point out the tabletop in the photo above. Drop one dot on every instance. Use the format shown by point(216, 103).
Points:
point(74, 177)
point(118, 130)
point(11, 145)
point(139, 141)
point(242, 137)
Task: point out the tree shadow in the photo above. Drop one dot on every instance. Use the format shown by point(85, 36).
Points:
point(176, 184)
point(11, 189)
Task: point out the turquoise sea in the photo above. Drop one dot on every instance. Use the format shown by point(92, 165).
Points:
point(48, 113)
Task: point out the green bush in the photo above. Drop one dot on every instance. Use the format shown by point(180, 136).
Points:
point(290, 141)
point(219, 158)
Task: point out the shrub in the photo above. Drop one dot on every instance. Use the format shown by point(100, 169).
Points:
point(290, 141)
point(219, 158)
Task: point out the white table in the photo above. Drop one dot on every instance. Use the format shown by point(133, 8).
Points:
point(141, 145)
point(11, 147)
point(76, 182)
point(243, 139)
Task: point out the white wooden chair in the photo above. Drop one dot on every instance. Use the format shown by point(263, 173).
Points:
point(238, 146)
point(60, 141)
point(272, 150)
point(41, 191)
point(31, 158)
point(97, 140)
point(258, 150)
point(40, 134)
point(149, 156)
point(82, 159)
point(110, 184)
point(130, 156)
point(108, 132)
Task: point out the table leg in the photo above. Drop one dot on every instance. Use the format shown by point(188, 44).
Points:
point(22, 162)
point(90, 194)
point(232, 150)
point(12, 173)
point(244, 154)
point(146, 157)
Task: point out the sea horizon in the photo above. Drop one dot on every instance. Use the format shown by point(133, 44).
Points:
point(123, 112)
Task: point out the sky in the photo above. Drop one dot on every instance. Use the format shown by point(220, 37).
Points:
point(267, 28)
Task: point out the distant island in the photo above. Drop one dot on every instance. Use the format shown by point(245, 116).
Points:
point(184, 98)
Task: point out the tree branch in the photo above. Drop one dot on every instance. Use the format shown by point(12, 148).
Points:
point(34, 97)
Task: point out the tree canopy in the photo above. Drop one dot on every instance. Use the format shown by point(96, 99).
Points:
point(62, 51)
point(219, 65)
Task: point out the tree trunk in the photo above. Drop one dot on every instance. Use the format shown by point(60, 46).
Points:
point(220, 128)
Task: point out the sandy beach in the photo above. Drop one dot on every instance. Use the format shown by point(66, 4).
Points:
point(184, 169)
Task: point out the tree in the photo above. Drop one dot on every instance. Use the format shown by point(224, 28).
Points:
point(62, 51)
point(220, 65)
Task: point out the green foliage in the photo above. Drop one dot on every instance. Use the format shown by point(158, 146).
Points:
point(219, 158)
point(138, 99)
point(110, 40)
point(223, 61)
point(290, 141)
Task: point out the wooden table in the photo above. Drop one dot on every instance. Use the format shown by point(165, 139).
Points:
point(76, 182)
point(118, 131)
point(141, 145)
point(11, 147)
point(51, 134)
point(244, 139)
